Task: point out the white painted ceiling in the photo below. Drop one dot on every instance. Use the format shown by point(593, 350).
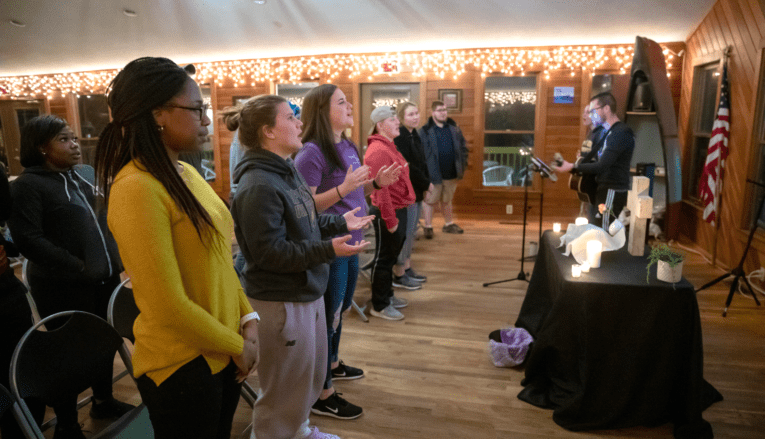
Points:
point(77, 35)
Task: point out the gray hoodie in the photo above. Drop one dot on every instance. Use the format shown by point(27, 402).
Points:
point(285, 242)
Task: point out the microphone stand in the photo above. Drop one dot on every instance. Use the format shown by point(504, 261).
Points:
point(522, 275)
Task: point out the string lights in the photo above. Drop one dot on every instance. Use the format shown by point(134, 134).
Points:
point(501, 98)
point(447, 64)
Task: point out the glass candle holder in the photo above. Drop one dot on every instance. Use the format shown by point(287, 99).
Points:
point(576, 270)
point(585, 267)
point(556, 227)
point(581, 221)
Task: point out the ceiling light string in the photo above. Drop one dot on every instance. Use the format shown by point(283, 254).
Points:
point(330, 68)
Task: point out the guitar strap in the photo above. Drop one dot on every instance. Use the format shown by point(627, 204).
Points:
point(603, 139)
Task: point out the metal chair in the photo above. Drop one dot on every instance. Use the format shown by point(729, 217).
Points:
point(498, 176)
point(8, 404)
point(30, 299)
point(83, 347)
point(122, 312)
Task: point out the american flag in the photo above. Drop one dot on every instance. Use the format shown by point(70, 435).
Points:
point(716, 154)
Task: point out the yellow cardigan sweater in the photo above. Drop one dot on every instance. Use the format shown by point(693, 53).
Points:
point(188, 293)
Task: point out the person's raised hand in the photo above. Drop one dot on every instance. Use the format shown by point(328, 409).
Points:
point(357, 222)
point(355, 179)
point(343, 248)
point(388, 175)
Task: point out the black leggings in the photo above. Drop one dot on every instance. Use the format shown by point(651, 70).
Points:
point(192, 402)
point(387, 247)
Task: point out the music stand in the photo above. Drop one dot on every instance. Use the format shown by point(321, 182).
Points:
point(536, 165)
point(738, 271)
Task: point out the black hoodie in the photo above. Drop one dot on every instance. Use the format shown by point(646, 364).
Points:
point(285, 242)
point(54, 225)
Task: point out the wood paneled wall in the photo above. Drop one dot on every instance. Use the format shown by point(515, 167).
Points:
point(739, 24)
point(558, 129)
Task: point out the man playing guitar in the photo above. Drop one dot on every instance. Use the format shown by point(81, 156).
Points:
point(585, 184)
point(611, 166)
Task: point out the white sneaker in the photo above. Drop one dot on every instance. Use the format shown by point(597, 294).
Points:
point(316, 434)
point(388, 313)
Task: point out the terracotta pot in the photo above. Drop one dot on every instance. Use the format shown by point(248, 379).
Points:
point(665, 273)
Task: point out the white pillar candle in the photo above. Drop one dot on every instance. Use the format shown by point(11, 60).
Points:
point(581, 221)
point(576, 270)
point(594, 249)
point(556, 227)
point(585, 267)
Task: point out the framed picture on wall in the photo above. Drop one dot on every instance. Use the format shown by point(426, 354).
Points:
point(452, 98)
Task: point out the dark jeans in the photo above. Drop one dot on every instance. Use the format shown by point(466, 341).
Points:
point(15, 320)
point(192, 402)
point(387, 247)
point(56, 295)
point(343, 273)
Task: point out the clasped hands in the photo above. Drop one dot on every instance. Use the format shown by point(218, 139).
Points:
point(247, 361)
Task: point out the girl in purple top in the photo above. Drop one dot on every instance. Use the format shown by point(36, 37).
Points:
point(330, 164)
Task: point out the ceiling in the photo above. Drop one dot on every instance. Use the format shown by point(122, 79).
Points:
point(80, 35)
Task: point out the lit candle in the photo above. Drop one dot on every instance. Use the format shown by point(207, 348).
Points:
point(581, 221)
point(585, 267)
point(556, 227)
point(576, 270)
point(594, 249)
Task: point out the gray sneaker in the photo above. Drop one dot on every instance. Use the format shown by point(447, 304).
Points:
point(389, 313)
point(405, 282)
point(453, 228)
point(398, 303)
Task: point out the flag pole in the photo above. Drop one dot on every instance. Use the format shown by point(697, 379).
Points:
point(718, 183)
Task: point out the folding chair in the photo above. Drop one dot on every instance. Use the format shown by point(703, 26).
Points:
point(30, 299)
point(9, 405)
point(122, 313)
point(71, 355)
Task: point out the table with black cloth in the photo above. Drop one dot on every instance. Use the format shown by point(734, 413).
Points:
point(610, 350)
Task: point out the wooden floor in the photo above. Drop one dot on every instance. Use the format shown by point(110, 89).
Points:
point(429, 376)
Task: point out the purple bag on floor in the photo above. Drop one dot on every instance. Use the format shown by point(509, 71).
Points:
point(513, 348)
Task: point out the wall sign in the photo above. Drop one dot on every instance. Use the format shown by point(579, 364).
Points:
point(563, 95)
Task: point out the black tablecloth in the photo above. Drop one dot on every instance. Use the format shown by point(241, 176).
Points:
point(611, 350)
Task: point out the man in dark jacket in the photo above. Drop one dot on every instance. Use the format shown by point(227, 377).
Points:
point(446, 155)
point(612, 166)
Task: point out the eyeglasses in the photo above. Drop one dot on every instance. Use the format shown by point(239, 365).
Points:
point(592, 110)
point(202, 110)
point(440, 110)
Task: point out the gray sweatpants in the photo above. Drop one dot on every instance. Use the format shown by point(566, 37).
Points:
point(292, 368)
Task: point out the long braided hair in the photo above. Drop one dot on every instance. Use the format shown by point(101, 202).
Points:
point(133, 134)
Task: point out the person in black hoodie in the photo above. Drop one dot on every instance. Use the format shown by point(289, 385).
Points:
point(287, 252)
point(15, 316)
point(409, 145)
point(73, 259)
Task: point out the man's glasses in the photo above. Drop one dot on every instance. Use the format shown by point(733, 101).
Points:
point(201, 110)
point(592, 110)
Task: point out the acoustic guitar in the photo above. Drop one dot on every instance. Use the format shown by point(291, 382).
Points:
point(584, 184)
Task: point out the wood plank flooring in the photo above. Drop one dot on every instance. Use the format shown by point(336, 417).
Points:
point(429, 376)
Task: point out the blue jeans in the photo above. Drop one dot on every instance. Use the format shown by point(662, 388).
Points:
point(342, 283)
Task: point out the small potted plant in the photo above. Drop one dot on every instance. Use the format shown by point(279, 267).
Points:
point(669, 262)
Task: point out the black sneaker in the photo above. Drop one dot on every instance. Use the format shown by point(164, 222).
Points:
point(415, 276)
point(453, 228)
point(344, 372)
point(336, 407)
point(428, 231)
point(69, 432)
point(111, 408)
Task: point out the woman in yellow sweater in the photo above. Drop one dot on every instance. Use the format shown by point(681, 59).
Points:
point(196, 335)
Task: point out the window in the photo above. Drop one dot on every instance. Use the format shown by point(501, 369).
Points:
point(510, 118)
point(204, 160)
point(94, 115)
point(703, 106)
point(295, 93)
